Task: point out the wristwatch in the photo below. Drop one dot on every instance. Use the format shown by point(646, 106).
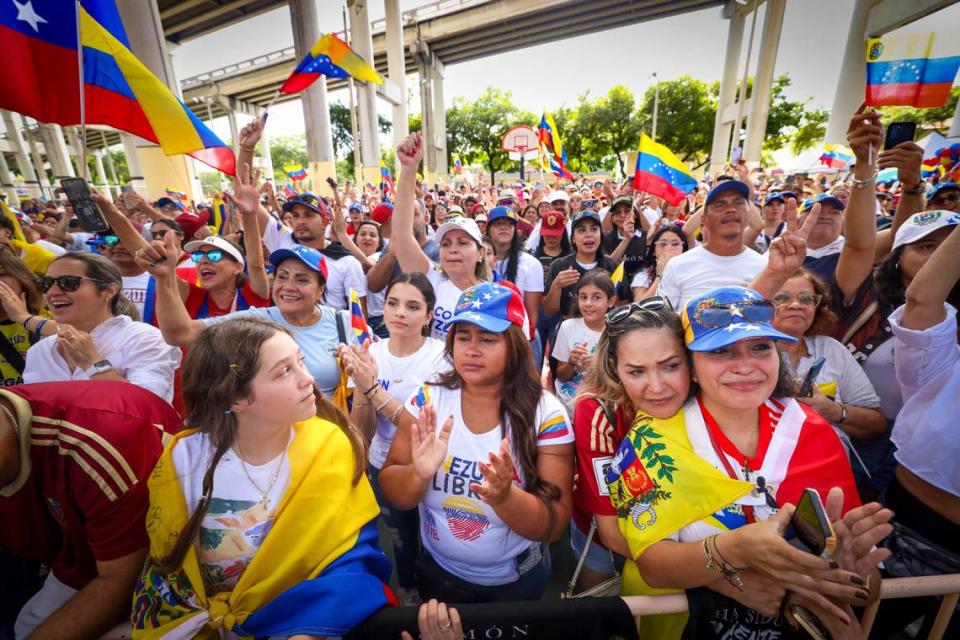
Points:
point(843, 412)
point(98, 367)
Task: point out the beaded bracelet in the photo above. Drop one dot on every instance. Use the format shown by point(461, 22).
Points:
point(729, 573)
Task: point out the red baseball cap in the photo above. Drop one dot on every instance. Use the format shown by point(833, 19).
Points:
point(551, 223)
point(382, 213)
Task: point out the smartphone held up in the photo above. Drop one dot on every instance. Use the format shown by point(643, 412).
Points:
point(86, 210)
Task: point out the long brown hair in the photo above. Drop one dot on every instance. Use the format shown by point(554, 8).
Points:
point(218, 371)
point(519, 397)
point(14, 267)
point(104, 273)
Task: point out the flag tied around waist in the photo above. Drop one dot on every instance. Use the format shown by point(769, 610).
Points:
point(41, 78)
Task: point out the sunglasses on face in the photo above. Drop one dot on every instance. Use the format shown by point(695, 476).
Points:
point(111, 241)
point(722, 315)
point(213, 255)
point(805, 299)
point(618, 316)
point(506, 202)
point(159, 234)
point(66, 283)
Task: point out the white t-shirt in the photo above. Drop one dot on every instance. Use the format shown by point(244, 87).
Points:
point(529, 273)
point(400, 377)
point(135, 288)
point(342, 275)
point(460, 531)
point(447, 296)
point(375, 300)
point(237, 519)
point(641, 279)
point(842, 379)
point(698, 271)
point(572, 331)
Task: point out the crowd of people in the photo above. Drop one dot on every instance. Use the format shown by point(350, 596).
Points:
point(193, 440)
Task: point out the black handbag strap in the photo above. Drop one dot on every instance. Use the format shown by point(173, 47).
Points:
point(11, 355)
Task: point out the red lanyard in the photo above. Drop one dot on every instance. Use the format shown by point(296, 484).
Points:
point(711, 424)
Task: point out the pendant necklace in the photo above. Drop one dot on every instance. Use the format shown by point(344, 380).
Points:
point(264, 500)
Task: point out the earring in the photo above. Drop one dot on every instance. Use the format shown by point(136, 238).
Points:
point(228, 412)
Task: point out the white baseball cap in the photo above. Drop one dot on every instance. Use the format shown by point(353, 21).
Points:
point(216, 241)
point(920, 225)
point(558, 195)
point(467, 225)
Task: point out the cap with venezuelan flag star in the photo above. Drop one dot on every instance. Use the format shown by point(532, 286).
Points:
point(727, 315)
point(492, 307)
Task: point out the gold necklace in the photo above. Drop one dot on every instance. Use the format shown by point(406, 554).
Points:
point(276, 474)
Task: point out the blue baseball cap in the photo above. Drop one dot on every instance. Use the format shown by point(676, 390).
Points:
point(943, 186)
point(490, 306)
point(825, 200)
point(309, 200)
point(586, 214)
point(728, 185)
point(164, 201)
point(310, 257)
point(502, 212)
point(788, 194)
point(776, 195)
point(727, 315)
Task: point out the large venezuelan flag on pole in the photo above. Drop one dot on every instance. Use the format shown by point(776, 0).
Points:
point(332, 57)
point(912, 70)
point(661, 173)
point(38, 46)
point(552, 155)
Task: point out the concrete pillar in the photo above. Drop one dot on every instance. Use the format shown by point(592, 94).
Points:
point(316, 113)
point(427, 126)
point(6, 181)
point(266, 159)
point(728, 87)
point(853, 74)
point(362, 43)
point(45, 188)
point(147, 42)
point(763, 79)
point(12, 123)
point(234, 130)
point(396, 68)
point(439, 119)
point(56, 148)
point(133, 163)
point(102, 173)
point(955, 125)
point(72, 135)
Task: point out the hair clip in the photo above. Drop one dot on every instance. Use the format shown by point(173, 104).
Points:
point(234, 366)
point(228, 412)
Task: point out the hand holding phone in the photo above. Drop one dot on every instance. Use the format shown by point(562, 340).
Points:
point(807, 387)
point(86, 210)
point(812, 527)
point(899, 132)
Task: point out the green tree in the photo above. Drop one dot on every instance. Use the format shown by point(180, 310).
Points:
point(287, 150)
point(343, 134)
point(475, 128)
point(811, 130)
point(610, 126)
point(685, 116)
point(928, 120)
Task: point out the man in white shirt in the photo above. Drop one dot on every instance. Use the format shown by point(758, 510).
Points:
point(722, 261)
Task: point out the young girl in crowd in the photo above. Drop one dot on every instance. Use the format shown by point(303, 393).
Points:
point(667, 243)
point(261, 521)
point(578, 336)
point(487, 456)
point(394, 369)
point(369, 239)
point(641, 368)
point(462, 262)
point(566, 271)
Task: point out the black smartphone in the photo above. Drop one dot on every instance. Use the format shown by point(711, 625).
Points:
point(899, 132)
point(812, 526)
point(807, 387)
point(84, 207)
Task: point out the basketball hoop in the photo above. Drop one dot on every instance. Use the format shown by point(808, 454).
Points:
point(519, 140)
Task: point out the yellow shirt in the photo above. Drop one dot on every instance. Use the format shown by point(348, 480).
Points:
point(19, 338)
point(35, 257)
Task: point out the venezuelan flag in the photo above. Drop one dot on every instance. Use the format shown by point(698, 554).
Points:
point(912, 70)
point(617, 276)
point(552, 155)
point(296, 172)
point(289, 191)
point(38, 45)
point(457, 165)
point(386, 178)
point(660, 173)
point(331, 57)
point(176, 195)
point(836, 156)
point(357, 321)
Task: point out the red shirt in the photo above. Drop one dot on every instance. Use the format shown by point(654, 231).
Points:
point(596, 443)
point(198, 296)
point(84, 497)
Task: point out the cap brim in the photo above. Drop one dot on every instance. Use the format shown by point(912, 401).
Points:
point(725, 336)
point(482, 320)
point(280, 255)
point(551, 232)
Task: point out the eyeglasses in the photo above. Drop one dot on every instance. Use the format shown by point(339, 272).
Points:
point(722, 315)
point(213, 255)
point(66, 283)
point(805, 299)
point(616, 317)
point(110, 241)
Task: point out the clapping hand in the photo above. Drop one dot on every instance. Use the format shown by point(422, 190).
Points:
point(498, 476)
point(858, 532)
point(359, 364)
point(427, 447)
point(77, 347)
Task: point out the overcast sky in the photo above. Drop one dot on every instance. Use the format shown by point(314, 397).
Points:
point(550, 75)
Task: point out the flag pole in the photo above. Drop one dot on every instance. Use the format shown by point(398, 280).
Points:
point(84, 170)
point(272, 100)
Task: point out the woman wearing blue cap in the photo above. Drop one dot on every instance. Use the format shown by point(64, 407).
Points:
point(487, 456)
point(705, 497)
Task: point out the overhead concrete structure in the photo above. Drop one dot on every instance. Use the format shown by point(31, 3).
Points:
point(871, 18)
point(367, 121)
point(396, 67)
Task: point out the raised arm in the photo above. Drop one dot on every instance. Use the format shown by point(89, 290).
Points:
point(247, 198)
point(340, 229)
point(405, 245)
point(929, 289)
point(380, 274)
point(248, 138)
point(865, 135)
point(907, 158)
point(137, 202)
point(160, 259)
point(120, 223)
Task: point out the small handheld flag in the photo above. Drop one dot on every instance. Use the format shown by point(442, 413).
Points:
point(176, 195)
point(552, 154)
point(289, 191)
point(360, 327)
point(457, 165)
point(660, 173)
point(386, 179)
point(332, 57)
point(296, 172)
point(836, 156)
point(912, 70)
point(617, 276)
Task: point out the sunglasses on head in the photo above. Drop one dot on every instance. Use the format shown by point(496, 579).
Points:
point(618, 315)
point(722, 315)
point(213, 255)
point(66, 283)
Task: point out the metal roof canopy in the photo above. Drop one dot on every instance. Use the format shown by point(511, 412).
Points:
point(186, 19)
